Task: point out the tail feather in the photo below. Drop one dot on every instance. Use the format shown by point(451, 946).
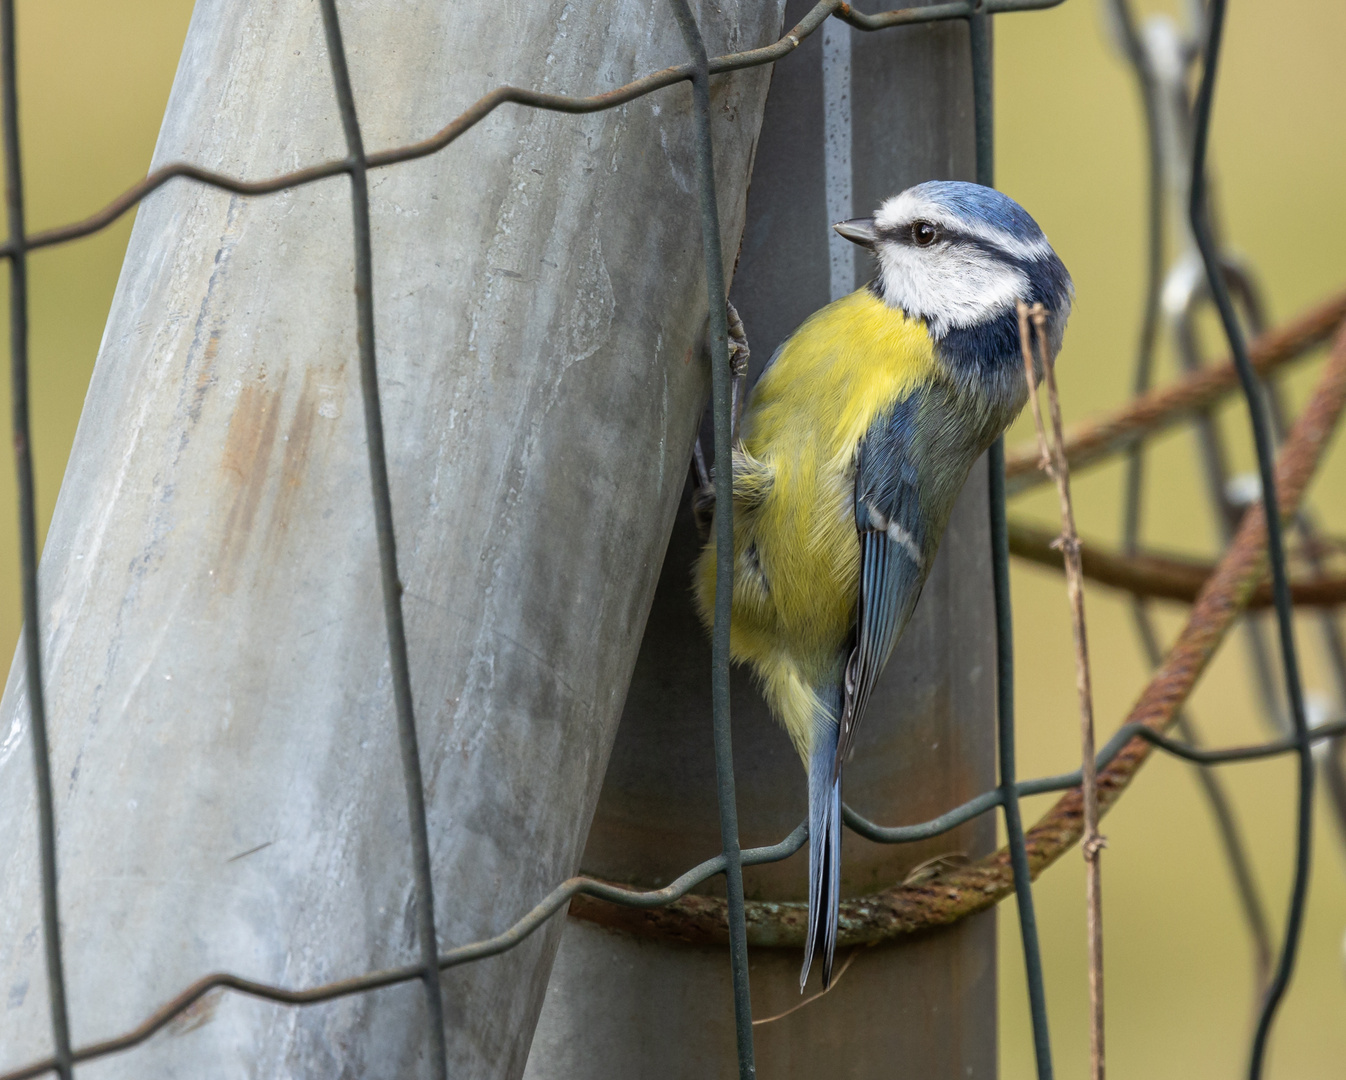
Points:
point(824, 850)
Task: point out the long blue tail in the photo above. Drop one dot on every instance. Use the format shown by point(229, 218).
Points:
point(824, 849)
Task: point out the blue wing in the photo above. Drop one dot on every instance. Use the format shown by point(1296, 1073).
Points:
point(893, 554)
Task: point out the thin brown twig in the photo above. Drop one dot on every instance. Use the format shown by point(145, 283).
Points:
point(1053, 463)
point(814, 996)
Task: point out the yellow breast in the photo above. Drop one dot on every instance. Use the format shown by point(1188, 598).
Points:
point(797, 553)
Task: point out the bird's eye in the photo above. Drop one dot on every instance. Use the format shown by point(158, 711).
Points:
point(923, 233)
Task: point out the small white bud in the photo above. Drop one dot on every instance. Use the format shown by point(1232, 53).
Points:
point(1243, 490)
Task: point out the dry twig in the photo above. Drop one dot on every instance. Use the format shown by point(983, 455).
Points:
point(1053, 463)
point(814, 996)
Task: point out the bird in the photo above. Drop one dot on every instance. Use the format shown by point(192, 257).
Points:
point(856, 439)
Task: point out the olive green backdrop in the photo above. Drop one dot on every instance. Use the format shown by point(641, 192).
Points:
point(94, 78)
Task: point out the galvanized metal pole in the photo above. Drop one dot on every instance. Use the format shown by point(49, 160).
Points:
point(850, 120)
point(228, 786)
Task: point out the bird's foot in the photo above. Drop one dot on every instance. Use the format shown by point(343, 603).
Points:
point(738, 368)
point(703, 499)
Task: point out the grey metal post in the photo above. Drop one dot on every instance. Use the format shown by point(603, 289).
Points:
point(622, 1006)
point(229, 794)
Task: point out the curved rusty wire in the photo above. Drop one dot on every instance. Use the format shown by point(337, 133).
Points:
point(954, 894)
point(1162, 577)
point(670, 914)
point(1091, 441)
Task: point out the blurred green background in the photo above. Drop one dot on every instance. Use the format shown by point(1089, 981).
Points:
point(1070, 146)
point(96, 74)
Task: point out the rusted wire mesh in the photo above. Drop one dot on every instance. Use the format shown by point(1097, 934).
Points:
point(1219, 593)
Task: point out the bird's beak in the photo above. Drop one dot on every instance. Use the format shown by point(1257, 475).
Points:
point(859, 231)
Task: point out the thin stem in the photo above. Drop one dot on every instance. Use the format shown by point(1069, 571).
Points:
point(1092, 843)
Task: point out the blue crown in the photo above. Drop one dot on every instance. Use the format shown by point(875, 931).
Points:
point(977, 203)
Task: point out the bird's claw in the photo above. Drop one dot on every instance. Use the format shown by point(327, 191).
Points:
point(703, 498)
point(738, 343)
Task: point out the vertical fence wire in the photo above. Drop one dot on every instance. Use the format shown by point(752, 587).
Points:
point(387, 543)
point(23, 466)
point(979, 34)
point(724, 536)
point(1257, 415)
point(1226, 823)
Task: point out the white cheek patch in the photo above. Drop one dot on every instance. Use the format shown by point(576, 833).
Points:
point(951, 287)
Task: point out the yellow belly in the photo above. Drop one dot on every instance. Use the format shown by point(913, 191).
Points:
point(797, 554)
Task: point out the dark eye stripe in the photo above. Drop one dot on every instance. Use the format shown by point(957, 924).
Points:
point(901, 234)
point(905, 234)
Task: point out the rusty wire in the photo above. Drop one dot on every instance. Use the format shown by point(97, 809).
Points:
point(1150, 575)
point(948, 895)
point(1158, 410)
point(957, 892)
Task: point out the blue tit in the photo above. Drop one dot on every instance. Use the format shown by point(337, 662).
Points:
point(857, 438)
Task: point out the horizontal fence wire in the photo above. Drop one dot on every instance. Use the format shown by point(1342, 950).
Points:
point(559, 897)
point(1005, 796)
point(484, 106)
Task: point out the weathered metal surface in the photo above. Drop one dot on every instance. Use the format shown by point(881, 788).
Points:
point(887, 1015)
point(619, 1005)
point(229, 794)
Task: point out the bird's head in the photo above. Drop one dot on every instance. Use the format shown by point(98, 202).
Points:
point(958, 256)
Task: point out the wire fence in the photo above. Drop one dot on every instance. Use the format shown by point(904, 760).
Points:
point(1177, 138)
point(1218, 593)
